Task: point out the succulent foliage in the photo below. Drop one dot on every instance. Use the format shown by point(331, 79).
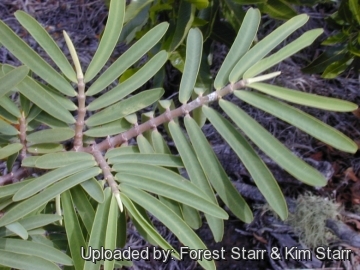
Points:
point(85, 195)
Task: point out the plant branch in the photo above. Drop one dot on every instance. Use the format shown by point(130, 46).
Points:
point(22, 135)
point(79, 126)
point(107, 173)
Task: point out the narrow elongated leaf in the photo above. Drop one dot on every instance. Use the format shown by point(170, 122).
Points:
point(30, 58)
point(306, 99)
point(111, 232)
point(125, 107)
point(146, 226)
point(10, 149)
point(47, 43)
point(57, 160)
point(185, 19)
point(29, 161)
point(131, 84)
point(27, 206)
point(191, 216)
point(176, 193)
point(83, 207)
point(194, 46)
point(73, 230)
point(171, 220)
point(197, 176)
point(215, 172)
point(7, 104)
point(11, 189)
point(32, 222)
point(266, 45)
point(144, 146)
point(109, 129)
point(152, 159)
point(94, 189)
point(354, 7)
point(98, 231)
point(272, 147)
point(241, 45)
point(303, 121)
point(35, 249)
point(263, 178)
point(126, 60)
point(159, 174)
point(21, 261)
point(122, 151)
point(18, 229)
point(51, 135)
point(51, 177)
point(39, 96)
point(45, 148)
point(11, 79)
point(7, 129)
point(50, 121)
point(109, 39)
point(305, 40)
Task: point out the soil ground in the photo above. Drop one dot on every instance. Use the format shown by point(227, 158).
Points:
point(84, 21)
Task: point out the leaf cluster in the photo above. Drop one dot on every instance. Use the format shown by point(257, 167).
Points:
point(119, 167)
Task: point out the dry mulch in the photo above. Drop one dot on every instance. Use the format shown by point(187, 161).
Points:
point(84, 20)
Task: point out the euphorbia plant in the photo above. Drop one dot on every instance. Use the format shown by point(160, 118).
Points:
point(106, 178)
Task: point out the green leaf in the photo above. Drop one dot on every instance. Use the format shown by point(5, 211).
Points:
point(299, 119)
point(155, 173)
point(11, 189)
point(263, 47)
point(25, 207)
point(199, 4)
point(123, 150)
point(329, 56)
point(144, 146)
point(35, 249)
point(334, 69)
point(184, 21)
point(109, 129)
point(98, 231)
point(192, 64)
point(111, 231)
point(50, 121)
point(355, 9)
point(20, 261)
point(131, 84)
point(177, 192)
point(125, 107)
point(7, 129)
point(47, 43)
point(171, 220)
point(215, 172)
point(41, 97)
point(290, 49)
point(45, 148)
point(10, 149)
point(134, 9)
point(109, 38)
point(30, 58)
point(51, 177)
point(29, 161)
point(56, 160)
point(278, 9)
point(73, 230)
point(262, 176)
point(151, 159)
point(94, 189)
point(126, 60)
point(32, 222)
point(18, 229)
point(146, 225)
point(7, 104)
point(51, 135)
point(197, 176)
point(272, 147)
point(191, 216)
point(306, 99)
point(83, 207)
point(11, 79)
point(241, 45)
